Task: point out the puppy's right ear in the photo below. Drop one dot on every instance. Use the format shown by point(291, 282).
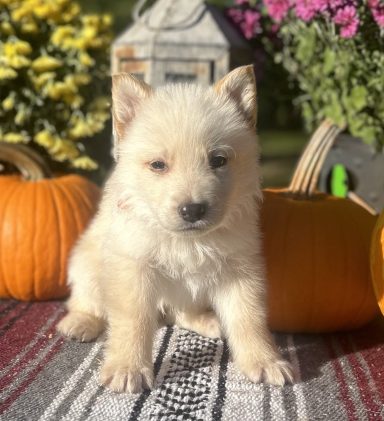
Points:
point(127, 95)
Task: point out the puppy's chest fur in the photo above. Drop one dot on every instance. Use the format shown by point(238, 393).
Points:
point(190, 269)
point(189, 260)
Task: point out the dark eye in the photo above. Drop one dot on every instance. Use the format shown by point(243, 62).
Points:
point(158, 165)
point(217, 161)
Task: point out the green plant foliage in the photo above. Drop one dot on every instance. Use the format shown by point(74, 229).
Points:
point(53, 72)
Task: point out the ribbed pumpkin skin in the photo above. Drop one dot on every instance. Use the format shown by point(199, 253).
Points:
point(317, 258)
point(39, 223)
point(377, 261)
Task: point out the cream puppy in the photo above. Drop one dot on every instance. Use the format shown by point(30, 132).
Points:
point(177, 231)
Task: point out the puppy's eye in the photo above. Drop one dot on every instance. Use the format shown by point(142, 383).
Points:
point(158, 166)
point(217, 161)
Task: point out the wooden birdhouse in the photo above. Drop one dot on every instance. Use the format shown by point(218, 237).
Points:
point(179, 41)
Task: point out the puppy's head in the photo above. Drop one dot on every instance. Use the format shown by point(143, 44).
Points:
point(186, 155)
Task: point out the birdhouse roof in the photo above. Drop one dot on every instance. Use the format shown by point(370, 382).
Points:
point(182, 22)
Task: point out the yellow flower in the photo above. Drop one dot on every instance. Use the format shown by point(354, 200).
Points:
point(85, 163)
point(22, 12)
point(23, 47)
point(13, 137)
point(6, 28)
point(70, 85)
point(7, 73)
point(17, 62)
point(68, 43)
point(17, 47)
point(64, 149)
point(72, 11)
point(21, 116)
point(9, 102)
point(96, 42)
point(47, 10)
point(78, 79)
point(81, 129)
point(43, 78)
point(62, 33)
point(107, 20)
point(44, 138)
point(90, 20)
point(74, 101)
point(45, 63)
point(101, 116)
point(89, 33)
point(9, 49)
point(101, 103)
point(86, 60)
point(78, 43)
point(59, 90)
point(29, 27)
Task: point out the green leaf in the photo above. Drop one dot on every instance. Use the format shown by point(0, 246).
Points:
point(306, 47)
point(334, 110)
point(358, 98)
point(329, 61)
point(367, 133)
point(307, 112)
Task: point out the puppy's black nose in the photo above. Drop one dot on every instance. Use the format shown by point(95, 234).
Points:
point(192, 212)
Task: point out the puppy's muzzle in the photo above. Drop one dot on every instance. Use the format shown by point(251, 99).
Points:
point(192, 212)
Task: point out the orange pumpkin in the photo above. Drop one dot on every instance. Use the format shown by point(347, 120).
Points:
point(40, 219)
point(317, 251)
point(377, 261)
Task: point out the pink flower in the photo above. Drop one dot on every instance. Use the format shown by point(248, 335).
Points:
point(347, 18)
point(335, 4)
point(320, 5)
point(277, 9)
point(377, 9)
point(275, 28)
point(378, 15)
point(236, 15)
point(247, 20)
point(250, 23)
point(305, 9)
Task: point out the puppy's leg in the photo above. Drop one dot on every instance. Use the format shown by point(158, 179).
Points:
point(204, 323)
point(242, 309)
point(84, 320)
point(132, 318)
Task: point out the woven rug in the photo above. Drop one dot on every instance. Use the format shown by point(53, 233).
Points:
point(43, 377)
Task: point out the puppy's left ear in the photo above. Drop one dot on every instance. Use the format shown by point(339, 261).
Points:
point(240, 85)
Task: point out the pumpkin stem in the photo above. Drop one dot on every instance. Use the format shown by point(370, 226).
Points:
point(31, 165)
point(307, 172)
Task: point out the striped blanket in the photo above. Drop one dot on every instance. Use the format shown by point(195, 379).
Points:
point(43, 377)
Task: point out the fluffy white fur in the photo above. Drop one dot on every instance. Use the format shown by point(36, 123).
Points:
point(140, 261)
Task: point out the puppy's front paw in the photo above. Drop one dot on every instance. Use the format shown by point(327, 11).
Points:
point(276, 372)
point(81, 326)
point(120, 378)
